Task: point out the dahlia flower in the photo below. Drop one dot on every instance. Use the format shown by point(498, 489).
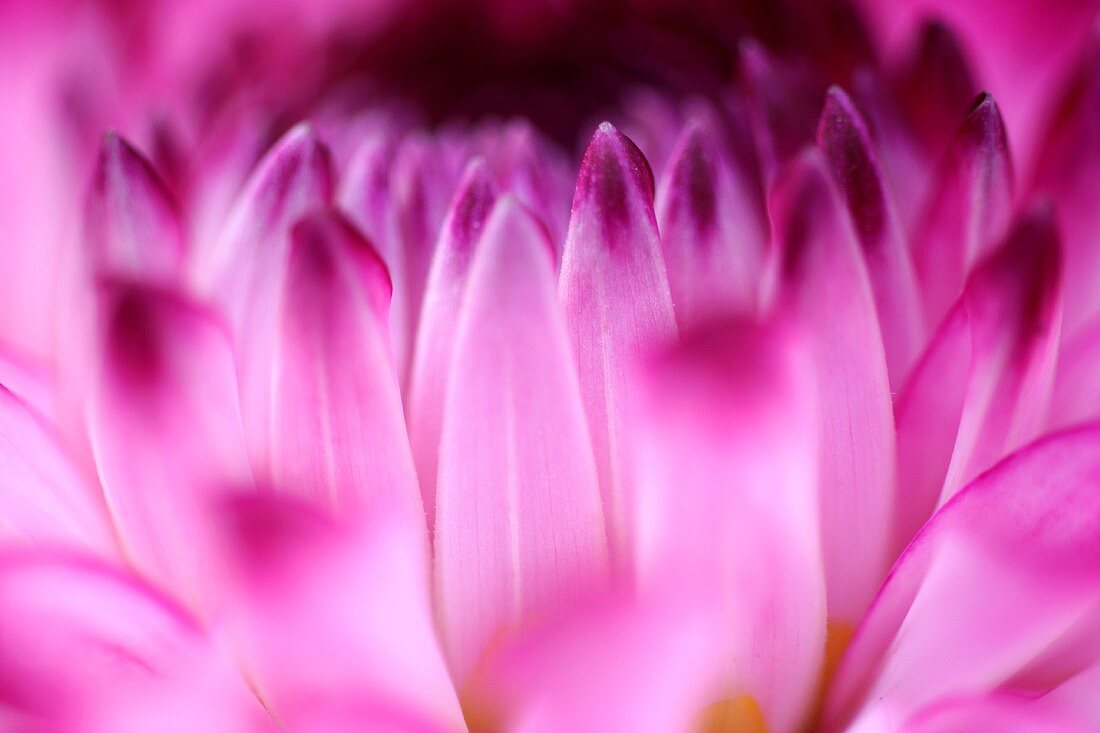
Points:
point(431, 366)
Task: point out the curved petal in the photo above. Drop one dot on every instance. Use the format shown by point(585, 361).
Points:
point(998, 591)
point(320, 398)
point(982, 388)
point(825, 286)
point(843, 137)
point(131, 222)
point(615, 295)
point(43, 498)
point(968, 210)
point(334, 621)
point(293, 178)
point(165, 427)
point(519, 530)
point(728, 504)
point(713, 241)
point(435, 338)
point(87, 647)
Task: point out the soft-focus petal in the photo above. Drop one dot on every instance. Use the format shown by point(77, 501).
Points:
point(615, 294)
point(843, 137)
point(435, 338)
point(615, 665)
point(131, 223)
point(165, 426)
point(43, 497)
point(320, 399)
point(968, 209)
point(293, 178)
point(824, 284)
point(998, 592)
point(982, 388)
point(334, 621)
point(519, 528)
point(86, 647)
point(713, 240)
point(728, 505)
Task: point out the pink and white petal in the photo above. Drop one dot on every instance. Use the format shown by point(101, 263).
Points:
point(165, 427)
point(825, 287)
point(421, 187)
point(320, 399)
point(968, 210)
point(435, 338)
point(713, 240)
point(30, 380)
point(334, 621)
point(614, 291)
point(983, 387)
point(43, 497)
point(531, 168)
point(519, 529)
point(132, 224)
point(89, 647)
point(293, 178)
point(614, 665)
point(1001, 712)
point(843, 138)
point(995, 593)
point(728, 505)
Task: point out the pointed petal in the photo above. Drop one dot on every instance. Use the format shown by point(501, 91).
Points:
point(131, 221)
point(435, 338)
point(88, 647)
point(936, 84)
point(713, 240)
point(421, 188)
point(982, 388)
point(825, 286)
point(519, 529)
point(334, 621)
point(538, 176)
point(615, 294)
point(968, 210)
point(1024, 536)
point(1066, 172)
point(43, 497)
point(320, 397)
point(728, 503)
point(782, 107)
point(165, 426)
point(293, 178)
point(842, 135)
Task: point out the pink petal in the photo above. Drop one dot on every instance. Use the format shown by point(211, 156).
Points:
point(1005, 713)
point(968, 210)
point(320, 398)
point(615, 665)
point(1076, 397)
point(615, 294)
point(165, 426)
point(439, 320)
point(843, 137)
point(294, 177)
point(783, 108)
point(825, 286)
point(713, 239)
point(519, 528)
point(334, 622)
point(936, 84)
point(532, 170)
point(982, 388)
point(131, 222)
point(998, 591)
point(43, 497)
point(421, 189)
point(728, 506)
point(87, 647)
point(1066, 172)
